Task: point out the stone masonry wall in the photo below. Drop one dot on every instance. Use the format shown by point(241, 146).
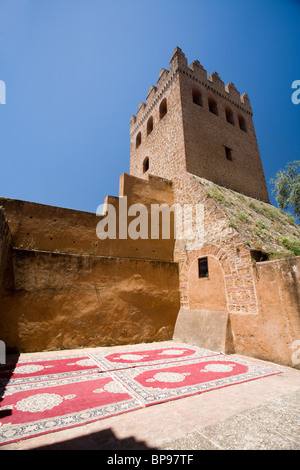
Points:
point(164, 146)
point(224, 244)
point(190, 138)
point(173, 145)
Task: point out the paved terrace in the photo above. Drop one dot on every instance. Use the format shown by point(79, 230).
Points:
point(258, 415)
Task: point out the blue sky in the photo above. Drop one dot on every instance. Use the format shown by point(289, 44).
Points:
point(76, 70)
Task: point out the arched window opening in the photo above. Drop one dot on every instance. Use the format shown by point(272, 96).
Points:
point(229, 116)
point(197, 97)
point(242, 124)
point(212, 106)
point(146, 165)
point(138, 140)
point(150, 125)
point(163, 108)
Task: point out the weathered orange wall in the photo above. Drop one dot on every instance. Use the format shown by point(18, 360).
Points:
point(272, 333)
point(5, 241)
point(64, 301)
point(207, 293)
point(65, 288)
point(41, 227)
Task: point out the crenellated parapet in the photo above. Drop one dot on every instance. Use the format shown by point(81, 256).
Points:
point(154, 95)
point(196, 72)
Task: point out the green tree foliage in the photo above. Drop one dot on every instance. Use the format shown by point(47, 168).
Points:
point(287, 188)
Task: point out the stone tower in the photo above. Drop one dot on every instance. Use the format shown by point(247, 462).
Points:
point(198, 133)
point(195, 124)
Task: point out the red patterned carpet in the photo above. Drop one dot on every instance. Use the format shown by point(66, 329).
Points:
point(48, 395)
point(46, 369)
point(149, 356)
point(35, 409)
point(156, 384)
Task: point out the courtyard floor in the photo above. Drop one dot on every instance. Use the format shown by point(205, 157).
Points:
point(261, 414)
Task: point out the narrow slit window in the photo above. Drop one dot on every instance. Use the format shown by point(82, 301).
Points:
point(229, 116)
point(138, 140)
point(146, 165)
point(150, 125)
point(242, 124)
point(212, 106)
point(163, 108)
point(202, 267)
point(228, 153)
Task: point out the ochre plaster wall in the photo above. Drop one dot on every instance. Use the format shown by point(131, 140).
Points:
point(63, 301)
point(5, 245)
point(68, 289)
point(207, 293)
point(274, 333)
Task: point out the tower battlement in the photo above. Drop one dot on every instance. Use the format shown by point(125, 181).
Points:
point(192, 123)
point(195, 71)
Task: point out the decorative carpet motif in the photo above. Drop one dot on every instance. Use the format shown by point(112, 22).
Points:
point(149, 356)
point(156, 384)
point(45, 369)
point(43, 396)
point(33, 409)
